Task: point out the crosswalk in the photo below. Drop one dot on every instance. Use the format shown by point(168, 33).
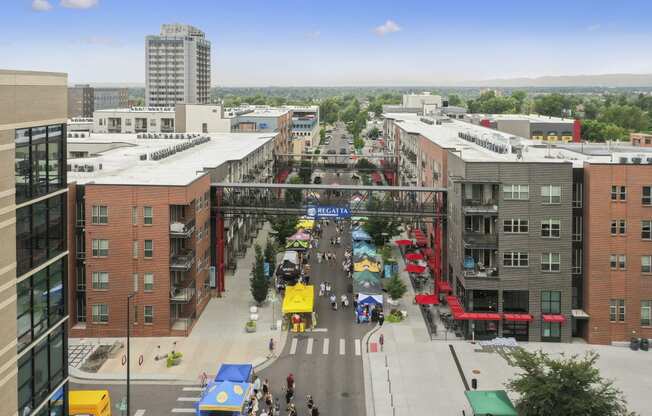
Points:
point(190, 396)
point(310, 345)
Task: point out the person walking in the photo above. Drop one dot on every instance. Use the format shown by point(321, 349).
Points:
point(266, 391)
point(292, 411)
point(257, 385)
point(328, 288)
point(270, 347)
point(290, 381)
point(381, 341)
point(381, 317)
point(322, 289)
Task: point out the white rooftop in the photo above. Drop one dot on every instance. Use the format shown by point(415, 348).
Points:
point(447, 136)
point(138, 110)
point(119, 155)
point(533, 118)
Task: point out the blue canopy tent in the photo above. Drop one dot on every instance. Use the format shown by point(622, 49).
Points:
point(223, 398)
point(364, 299)
point(364, 251)
point(360, 235)
point(237, 373)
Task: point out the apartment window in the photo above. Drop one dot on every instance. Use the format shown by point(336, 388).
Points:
point(100, 214)
point(148, 314)
point(617, 310)
point(551, 302)
point(515, 259)
point(152, 122)
point(622, 262)
point(148, 282)
point(100, 280)
point(618, 193)
point(646, 264)
point(577, 261)
point(134, 215)
point(127, 122)
point(100, 313)
point(100, 248)
point(149, 249)
point(550, 262)
point(516, 192)
point(551, 330)
point(134, 249)
point(148, 215)
point(550, 228)
point(646, 312)
point(646, 230)
point(516, 225)
point(577, 229)
point(578, 196)
point(646, 195)
point(551, 194)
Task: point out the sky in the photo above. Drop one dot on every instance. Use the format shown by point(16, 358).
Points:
point(335, 42)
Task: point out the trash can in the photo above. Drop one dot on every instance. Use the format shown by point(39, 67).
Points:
point(645, 344)
point(634, 344)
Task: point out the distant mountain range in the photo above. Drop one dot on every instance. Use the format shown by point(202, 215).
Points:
point(603, 80)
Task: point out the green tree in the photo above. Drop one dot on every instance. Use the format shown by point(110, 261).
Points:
point(625, 116)
point(364, 164)
point(556, 105)
point(305, 171)
point(519, 96)
point(322, 136)
point(598, 131)
point(358, 124)
point(351, 111)
point(294, 196)
point(395, 287)
point(380, 228)
point(569, 386)
point(374, 133)
point(329, 110)
point(454, 100)
point(258, 282)
point(283, 227)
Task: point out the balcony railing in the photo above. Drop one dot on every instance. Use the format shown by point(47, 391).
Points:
point(478, 205)
point(481, 273)
point(183, 295)
point(479, 240)
point(181, 229)
point(182, 261)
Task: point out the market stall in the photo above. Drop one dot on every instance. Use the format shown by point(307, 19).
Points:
point(360, 235)
point(298, 307)
point(368, 265)
point(221, 398)
point(300, 236)
point(490, 403)
point(298, 245)
point(305, 223)
point(238, 373)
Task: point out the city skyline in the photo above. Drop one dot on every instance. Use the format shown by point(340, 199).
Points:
point(417, 44)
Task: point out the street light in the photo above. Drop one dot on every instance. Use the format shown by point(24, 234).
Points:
point(129, 297)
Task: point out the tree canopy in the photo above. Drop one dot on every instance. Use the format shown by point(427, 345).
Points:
point(258, 282)
point(569, 386)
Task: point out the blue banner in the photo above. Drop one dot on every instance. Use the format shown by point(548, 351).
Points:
point(328, 212)
point(266, 267)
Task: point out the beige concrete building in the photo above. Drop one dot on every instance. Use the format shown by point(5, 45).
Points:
point(33, 365)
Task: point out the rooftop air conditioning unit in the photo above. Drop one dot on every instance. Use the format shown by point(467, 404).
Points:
point(636, 160)
point(623, 160)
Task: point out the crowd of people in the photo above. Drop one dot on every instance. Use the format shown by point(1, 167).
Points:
point(263, 403)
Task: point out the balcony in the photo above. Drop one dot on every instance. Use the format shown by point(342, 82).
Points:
point(181, 229)
point(473, 206)
point(182, 261)
point(479, 240)
point(182, 295)
point(481, 273)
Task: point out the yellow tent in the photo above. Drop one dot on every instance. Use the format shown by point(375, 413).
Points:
point(306, 224)
point(299, 299)
point(366, 264)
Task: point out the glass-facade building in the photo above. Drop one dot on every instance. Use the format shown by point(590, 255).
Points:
point(41, 269)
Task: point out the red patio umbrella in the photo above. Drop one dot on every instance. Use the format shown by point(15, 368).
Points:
point(403, 242)
point(414, 268)
point(414, 256)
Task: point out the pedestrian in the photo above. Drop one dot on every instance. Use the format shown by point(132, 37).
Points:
point(309, 402)
point(338, 241)
point(292, 411)
point(328, 287)
point(333, 300)
point(381, 318)
point(270, 346)
point(345, 300)
point(289, 394)
point(322, 288)
point(257, 385)
point(266, 389)
point(290, 381)
point(314, 411)
point(381, 341)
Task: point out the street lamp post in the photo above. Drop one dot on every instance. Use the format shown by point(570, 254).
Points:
point(129, 297)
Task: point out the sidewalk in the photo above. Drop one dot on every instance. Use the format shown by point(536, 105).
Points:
point(217, 337)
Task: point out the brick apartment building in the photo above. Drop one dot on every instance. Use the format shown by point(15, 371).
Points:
point(140, 222)
point(641, 139)
point(548, 284)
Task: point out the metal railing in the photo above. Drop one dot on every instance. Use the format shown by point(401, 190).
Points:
point(184, 294)
point(182, 228)
point(182, 261)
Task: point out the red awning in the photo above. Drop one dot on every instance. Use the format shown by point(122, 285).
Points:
point(427, 299)
point(414, 256)
point(554, 318)
point(428, 252)
point(481, 316)
point(403, 242)
point(415, 268)
point(421, 242)
point(518, 317)
point(444, 286)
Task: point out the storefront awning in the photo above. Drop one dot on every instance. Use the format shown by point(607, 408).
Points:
point(414, 256)
point(426, 299)
point(517, 317)
point(481, 316)
point(403, 242)
point(554, 318)
point(444, 286)
point(415, 268)
point(579, 314)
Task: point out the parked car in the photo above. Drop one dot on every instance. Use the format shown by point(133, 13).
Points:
point(317, 180)
point(331, 152)
point(343, 151)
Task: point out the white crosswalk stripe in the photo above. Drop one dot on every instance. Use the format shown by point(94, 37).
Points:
point(187, 399)
point(309, 346)
point(358, 347)
point(192, 389)
point(342, 346)
point(184, 410)
point(293, 347)
point(324, 349)
point(139, 412)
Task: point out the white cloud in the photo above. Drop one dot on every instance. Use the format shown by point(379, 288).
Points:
point(79, 4)
point(594, 27)
point(313, 35)
point(41, 5)
point(389, 26)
